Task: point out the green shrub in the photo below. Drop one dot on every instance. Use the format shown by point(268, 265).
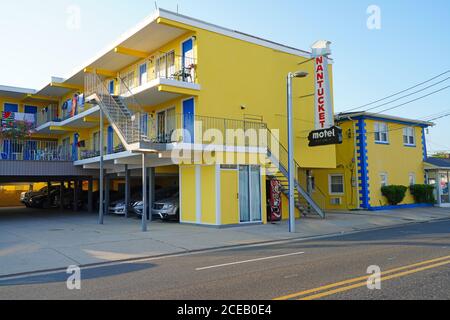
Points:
point(423, 193)
point(394, 194)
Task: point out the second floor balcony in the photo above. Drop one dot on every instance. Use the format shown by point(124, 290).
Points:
point(33, 150)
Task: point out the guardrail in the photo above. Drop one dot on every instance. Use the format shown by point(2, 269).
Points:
point(33, 150)
point(163, 66)
point(207, 130)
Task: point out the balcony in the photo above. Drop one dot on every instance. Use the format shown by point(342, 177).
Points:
point(33, 150)
point(17, 121)
point(53, 119)
point(186, 129)
point(163, 78)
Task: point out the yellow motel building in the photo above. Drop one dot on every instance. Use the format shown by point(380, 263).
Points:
point(147, 107)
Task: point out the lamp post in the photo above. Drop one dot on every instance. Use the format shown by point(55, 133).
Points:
point(291, 167)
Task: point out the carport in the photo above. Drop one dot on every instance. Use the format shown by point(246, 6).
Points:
point(50, 173)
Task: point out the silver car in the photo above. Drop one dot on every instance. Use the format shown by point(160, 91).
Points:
point(167, 209)
point(117, 208)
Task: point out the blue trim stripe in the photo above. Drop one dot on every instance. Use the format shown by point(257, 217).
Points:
point(402, 206)
point(363, 163)
point(424, 145)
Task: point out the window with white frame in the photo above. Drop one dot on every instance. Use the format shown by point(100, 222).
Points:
point(381, 132)
point(409, 137)
point(384, 179)
point(336, 184)
point(412, 179)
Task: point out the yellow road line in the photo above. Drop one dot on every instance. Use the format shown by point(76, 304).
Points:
point(363, 284)
point(338, 284)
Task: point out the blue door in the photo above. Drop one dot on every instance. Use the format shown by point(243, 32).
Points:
point(187, 59)
point(10, 107)
point(30, 109)
point(188, 120)
point(111, 87)
point(75, 147)
point(6, 154)
point(110, 140)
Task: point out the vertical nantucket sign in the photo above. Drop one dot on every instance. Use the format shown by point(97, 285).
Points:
point(324, 117)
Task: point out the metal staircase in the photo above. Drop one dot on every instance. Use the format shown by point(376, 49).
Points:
point(125, 122)
point(277, 170)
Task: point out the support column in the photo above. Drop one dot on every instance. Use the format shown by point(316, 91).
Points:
point(61, 195)
point(101, 210)
point(144, 196)
point(49, 184)
point(75, 195)
point(107, 193)
point(151, 191)
point(90, 195)
point(127, 190)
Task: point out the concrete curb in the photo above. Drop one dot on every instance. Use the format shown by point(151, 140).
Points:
point(222, 248)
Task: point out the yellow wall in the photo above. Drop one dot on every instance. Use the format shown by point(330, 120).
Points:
point(346, 165)
point(395, 159)
point(188, 198)
point(233, 73)
point(208, 187)
point(229, 185)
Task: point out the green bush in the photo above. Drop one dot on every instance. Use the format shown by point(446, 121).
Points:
point(394, 194)
point(423, 193)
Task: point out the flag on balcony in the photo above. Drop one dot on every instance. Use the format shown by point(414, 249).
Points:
point(7, 118)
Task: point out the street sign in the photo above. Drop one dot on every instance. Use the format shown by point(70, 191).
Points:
point(325, 137)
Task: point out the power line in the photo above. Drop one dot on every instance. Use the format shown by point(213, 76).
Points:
point(414, 100)
point(408, 95)
point(396, 94)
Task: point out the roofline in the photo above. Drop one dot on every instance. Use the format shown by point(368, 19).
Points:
point(369, 115)
point(232, 33)
point(162, 13)
point(17, 89)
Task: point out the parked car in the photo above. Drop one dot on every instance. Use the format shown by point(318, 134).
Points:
point(118, 207)
point(162, 193)
point(167, 209)
point(40, 200)
point(26, 196)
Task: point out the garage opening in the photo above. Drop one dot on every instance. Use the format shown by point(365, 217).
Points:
point(165, 206)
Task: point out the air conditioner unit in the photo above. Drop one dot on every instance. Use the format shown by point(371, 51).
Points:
point(336, 201)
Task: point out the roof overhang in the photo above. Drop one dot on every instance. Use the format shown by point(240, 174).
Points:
point(15, 92)
point(383, 117)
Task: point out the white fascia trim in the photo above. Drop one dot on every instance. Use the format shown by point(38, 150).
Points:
point(70, 120)
point(218, 196)
point(218, 148)
point(231, 33)
point(17, 90)
point(109, 157)
point(198, 193)
point(157, 82)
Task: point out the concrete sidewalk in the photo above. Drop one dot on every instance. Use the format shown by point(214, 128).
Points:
point(32, 240)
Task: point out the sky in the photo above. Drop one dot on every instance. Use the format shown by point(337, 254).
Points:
point(407, 45)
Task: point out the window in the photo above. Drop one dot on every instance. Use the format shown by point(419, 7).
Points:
point(165, 65)
point(97, 141)
point(412, 179)
point(336, 182)
point(381, 132)
point(384, 179)
point(409, 137)
point(142, 74)
point(11, 107)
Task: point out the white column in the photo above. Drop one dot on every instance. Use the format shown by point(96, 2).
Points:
point(198, 193)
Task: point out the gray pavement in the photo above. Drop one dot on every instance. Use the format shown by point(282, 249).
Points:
point(266, 271)
point(33, 240)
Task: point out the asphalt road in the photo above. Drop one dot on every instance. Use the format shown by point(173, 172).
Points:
point(414, 261)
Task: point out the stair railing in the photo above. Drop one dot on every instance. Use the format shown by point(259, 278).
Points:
point(128, 126)
point(282, 159)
